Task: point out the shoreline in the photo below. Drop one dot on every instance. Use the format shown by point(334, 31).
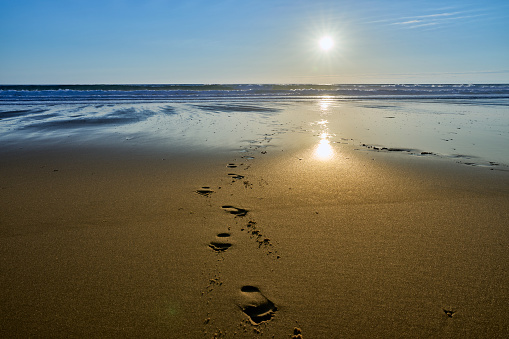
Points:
point(470, 132)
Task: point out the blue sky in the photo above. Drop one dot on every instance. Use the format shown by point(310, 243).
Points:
point(244, 41)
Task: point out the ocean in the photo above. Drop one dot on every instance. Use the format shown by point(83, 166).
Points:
point(468, 123)
point(78, 93)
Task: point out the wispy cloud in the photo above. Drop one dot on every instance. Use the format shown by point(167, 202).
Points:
point(407, 22)
point(438, 15)
point(436, 19)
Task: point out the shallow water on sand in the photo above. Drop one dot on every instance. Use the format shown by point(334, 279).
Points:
point(473, 131)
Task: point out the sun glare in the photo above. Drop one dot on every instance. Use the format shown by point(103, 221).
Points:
point(324, 150)
point(326, 43)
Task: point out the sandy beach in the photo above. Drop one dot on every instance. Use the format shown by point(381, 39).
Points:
point(278, 227)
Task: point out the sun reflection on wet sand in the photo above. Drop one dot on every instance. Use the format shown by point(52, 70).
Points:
point(324, 150)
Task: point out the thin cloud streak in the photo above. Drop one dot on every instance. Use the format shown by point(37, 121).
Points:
point(438, 15)
point(441, 17)
point(406, 22)
point(395, 21)
point(436, 19)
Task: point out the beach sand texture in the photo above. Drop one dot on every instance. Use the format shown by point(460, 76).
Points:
point(280, 227)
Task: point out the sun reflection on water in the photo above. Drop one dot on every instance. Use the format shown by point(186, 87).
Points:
point(324, 103)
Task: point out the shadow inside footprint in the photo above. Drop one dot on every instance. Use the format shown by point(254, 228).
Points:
point(236, 176)
point(240, 212)
point(255, 305)
point(205, 191)
point(220, 244)
point(231, 166)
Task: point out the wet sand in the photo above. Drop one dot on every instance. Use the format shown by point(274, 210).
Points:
point(296, 233)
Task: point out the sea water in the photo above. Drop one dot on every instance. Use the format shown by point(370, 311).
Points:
point(465, 122)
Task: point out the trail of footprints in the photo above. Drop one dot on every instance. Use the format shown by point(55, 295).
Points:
point(252, 302)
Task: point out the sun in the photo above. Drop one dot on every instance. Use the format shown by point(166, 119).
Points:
point(326, 43)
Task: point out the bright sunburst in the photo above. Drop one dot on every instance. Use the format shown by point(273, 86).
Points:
point(326, 43)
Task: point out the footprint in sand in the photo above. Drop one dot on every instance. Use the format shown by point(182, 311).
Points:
point(236, 176)
point(449, 312)
point(297, 333)
point(221, 244)
point(239, 212)
point(231, 165)
point(205, 191)
point(255, 305)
